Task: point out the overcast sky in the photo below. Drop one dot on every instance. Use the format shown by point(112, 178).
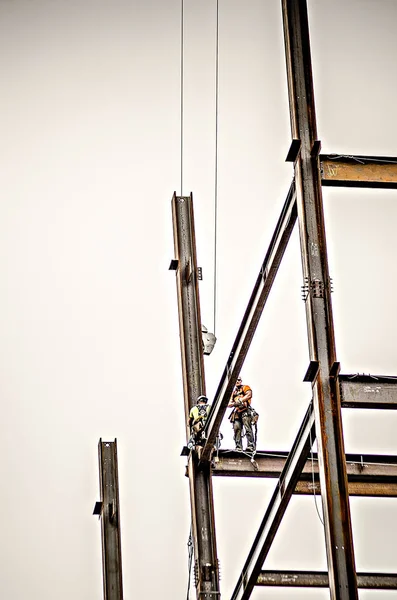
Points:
point(89, 340)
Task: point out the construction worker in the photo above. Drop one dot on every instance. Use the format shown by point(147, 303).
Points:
point(197, 418)
point(241, 416)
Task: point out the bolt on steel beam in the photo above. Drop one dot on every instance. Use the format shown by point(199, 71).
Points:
point(109, 511)
point(319, 579)
point(276, 508)
point(201, 494)
point(326, 397)
point(251, 318)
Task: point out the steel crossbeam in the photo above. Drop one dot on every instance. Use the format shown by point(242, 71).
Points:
point(368, 391)
point(319, 579)
point(368, 474)
point(251, 318)
point(276, 508)
point(358, 171)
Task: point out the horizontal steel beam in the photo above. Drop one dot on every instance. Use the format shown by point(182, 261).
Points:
point(319, 579)
point(368, 391)
point(355, 488)
point(250, 320)
point(358, 171)
point(276, 508)
point(368, 474)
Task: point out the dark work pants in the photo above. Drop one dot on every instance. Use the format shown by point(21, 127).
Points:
point(246, 421)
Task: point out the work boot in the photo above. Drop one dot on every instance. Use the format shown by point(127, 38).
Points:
point(239, 449)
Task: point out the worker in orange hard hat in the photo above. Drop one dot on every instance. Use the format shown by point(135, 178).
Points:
point(242, 416)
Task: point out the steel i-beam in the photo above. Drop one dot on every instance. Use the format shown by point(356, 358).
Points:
point(319, 579)
point(326, 396)
point(368, 391)
point(248, 326)
point(201, 495)
point(358, 171)
point(109, 511)
point(368, 474)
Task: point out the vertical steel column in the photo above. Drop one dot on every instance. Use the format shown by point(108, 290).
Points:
point(201, 496)
point(326, 396)
point(110, 521)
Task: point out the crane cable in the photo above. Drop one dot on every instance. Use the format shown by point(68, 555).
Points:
point(182, 49)
point(182, 82)
point(216, 158)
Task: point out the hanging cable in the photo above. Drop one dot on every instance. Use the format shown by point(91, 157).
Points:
point(313, 482)
point(190, 560)
point(216, 157)
point(182, 82)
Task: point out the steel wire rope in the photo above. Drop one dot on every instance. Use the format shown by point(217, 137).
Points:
point(216, 159)
point(190, 559)
point(182, 84)
point(359, 159)
point(313, 482)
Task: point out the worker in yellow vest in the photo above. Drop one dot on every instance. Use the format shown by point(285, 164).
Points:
point(241, 415)
point(197, 418)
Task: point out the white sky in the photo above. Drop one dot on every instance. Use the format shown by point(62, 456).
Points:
point(89, 344)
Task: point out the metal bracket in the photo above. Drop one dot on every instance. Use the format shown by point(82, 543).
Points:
point(293, 151)
point(334, 370)
point(173, 265)
point(316, 149)
point(98, 509)
point(315, 288)
point(312, 371)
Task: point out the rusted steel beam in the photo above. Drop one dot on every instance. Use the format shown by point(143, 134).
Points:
point(358, 171)
point(368, 474)
point(368, 391)
point(256, 304)
point(326, 396)
point(201, 495)
point(276, 509)
point(319, 579)
point(109, 512)
point(356, 488)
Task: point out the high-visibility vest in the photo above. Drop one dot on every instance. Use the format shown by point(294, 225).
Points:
point(198, 411)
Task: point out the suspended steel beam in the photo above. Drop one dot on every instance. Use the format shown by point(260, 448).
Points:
point(368, 474)
point(109, 511)
point(368, 391)
point(326, 396)
point(319, 579)
point(358, 171)
point(276, 509)
point(201, 495)
point(251, 318)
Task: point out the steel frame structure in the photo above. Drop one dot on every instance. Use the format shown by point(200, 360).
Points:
point(335, 476)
